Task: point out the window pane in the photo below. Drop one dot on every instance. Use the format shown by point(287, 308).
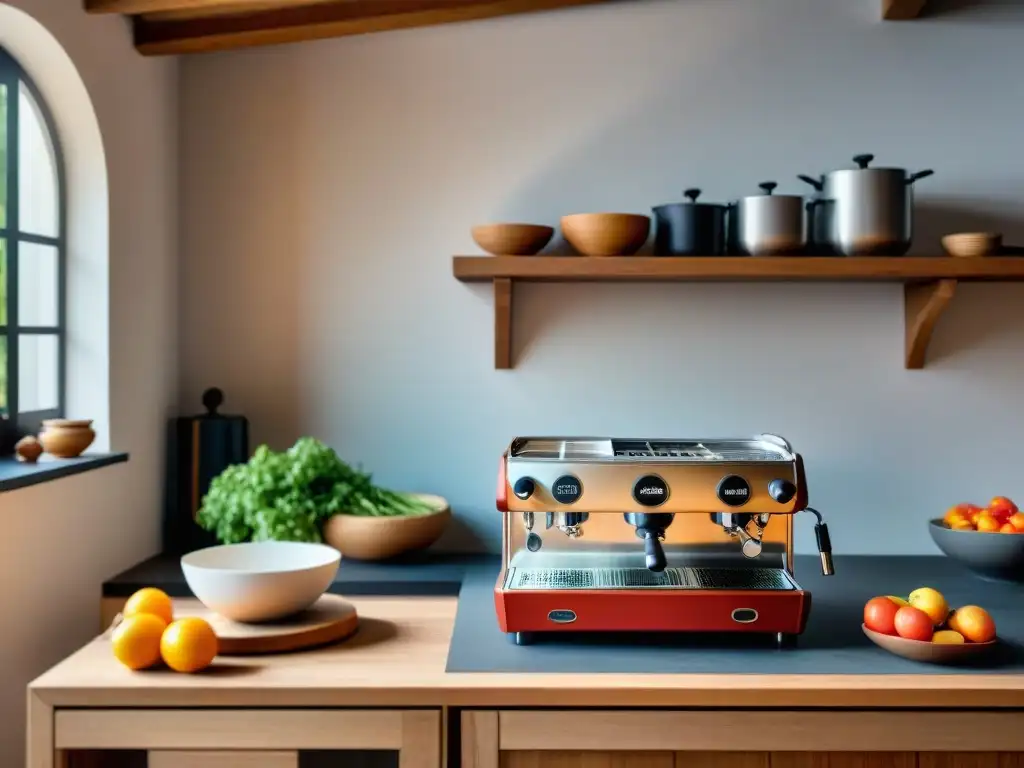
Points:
point(37, 373)
point(3, 375)
point(37, 284)
point(3, 155)
point(3, 281)
point(37, 170)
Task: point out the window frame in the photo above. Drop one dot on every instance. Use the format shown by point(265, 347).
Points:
point(13, 76)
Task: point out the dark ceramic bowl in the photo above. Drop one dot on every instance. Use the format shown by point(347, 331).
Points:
point(995, 556)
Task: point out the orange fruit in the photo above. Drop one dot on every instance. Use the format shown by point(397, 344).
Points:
point(953, 514)
point(987, 523)
point(948, 637)
point(962, 525)
point(136, 640)
point(1017, 521)
point(1008, 528)
point(150, 600)
point(974, 623)
point(188, 645)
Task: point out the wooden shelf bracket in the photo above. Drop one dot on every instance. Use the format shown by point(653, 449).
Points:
point(901, 10)
point(924, 304)
point(502, 323)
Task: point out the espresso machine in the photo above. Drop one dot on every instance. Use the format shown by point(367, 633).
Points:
point(621, 535)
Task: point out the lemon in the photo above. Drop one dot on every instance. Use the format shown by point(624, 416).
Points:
point(948, 637)
point(136, 640)
point(150, 600)
point(188, 645)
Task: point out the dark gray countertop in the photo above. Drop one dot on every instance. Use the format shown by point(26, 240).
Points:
point(423, 575)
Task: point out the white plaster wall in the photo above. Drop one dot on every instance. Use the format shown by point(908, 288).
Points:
point(62, 539)
point(325, 187)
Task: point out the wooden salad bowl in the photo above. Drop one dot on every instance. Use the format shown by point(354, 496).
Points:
point(365, 537)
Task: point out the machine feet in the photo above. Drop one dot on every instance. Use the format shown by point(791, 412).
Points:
point(522, 638)
point(784, 640)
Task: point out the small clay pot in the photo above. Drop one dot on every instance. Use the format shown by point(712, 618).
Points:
point(66, 438)
point(28, 449)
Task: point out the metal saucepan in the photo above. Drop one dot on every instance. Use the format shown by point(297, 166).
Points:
point(819, 219)
point(768, 224)
point(689, 229)
point(872, 209)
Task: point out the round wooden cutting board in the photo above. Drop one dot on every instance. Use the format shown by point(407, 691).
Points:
point(329, 620)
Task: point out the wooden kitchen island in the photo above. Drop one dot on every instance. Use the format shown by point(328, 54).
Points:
point(387, 689)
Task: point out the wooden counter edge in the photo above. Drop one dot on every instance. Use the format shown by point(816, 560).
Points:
point(413, 676)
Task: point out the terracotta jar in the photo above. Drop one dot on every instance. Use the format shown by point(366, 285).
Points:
point(66, 438)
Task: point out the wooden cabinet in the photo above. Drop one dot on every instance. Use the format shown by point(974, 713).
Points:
point(235, 738)
point(723, 739)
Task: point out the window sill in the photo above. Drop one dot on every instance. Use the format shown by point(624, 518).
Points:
point(16, 474)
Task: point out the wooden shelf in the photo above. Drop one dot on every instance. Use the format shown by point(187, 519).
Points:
point(929, 282)
point(163, 27)
point(900, 10)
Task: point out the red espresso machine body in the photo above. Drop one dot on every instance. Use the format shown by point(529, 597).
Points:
point(622, 535)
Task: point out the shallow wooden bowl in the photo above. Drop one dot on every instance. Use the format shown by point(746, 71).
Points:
point(929, 653)
point(972, 244)
point(606, 234)
point(512, 239)
point(362, 537)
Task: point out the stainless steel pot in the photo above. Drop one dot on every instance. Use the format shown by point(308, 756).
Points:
point(872, 209)
point(768, 225)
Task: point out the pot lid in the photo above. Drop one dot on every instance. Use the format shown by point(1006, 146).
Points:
point(768, 189)
point(691, 196)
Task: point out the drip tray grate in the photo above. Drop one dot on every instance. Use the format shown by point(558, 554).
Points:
point(641, 578)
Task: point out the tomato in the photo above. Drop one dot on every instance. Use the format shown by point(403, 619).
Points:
point(880, 615)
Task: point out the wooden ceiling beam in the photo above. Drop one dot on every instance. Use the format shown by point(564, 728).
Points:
point(900, 10)
point(139, 7)
point(337, 18)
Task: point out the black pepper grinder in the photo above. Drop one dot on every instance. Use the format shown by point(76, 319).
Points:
point(199, 448)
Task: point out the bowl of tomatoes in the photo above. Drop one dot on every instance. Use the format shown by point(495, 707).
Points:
point(987, 541)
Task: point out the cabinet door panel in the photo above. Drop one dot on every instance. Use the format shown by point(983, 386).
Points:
point(722, 760)
point(844, 760)
point(581, 759)
point(971, 760)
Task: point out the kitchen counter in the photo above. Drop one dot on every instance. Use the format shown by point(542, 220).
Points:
point(386, 688)
point(398, 659)
point(424, 573)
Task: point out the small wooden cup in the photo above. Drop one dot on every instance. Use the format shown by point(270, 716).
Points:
point(972, 244)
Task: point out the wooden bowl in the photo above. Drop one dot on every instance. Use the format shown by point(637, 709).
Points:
point(929, 653)
point(972, 244)
point(512, 239)
point(362, 537)
point(606, 234)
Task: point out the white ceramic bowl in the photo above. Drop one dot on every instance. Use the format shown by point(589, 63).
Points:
point(261, 580)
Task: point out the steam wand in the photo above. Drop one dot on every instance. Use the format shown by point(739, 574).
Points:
point(824, 543)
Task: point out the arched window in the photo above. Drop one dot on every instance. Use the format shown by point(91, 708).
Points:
point(32, 253)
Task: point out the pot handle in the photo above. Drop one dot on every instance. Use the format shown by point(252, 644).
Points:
point(919, 175)
point(816, 183)
point(692, 194)
point(863, 160)
point(768, 186)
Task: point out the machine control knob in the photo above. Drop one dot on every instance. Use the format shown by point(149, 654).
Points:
point(524, 488)
point(782, 491)
point(567, 489)
point(733, 491)
point(650, 491)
